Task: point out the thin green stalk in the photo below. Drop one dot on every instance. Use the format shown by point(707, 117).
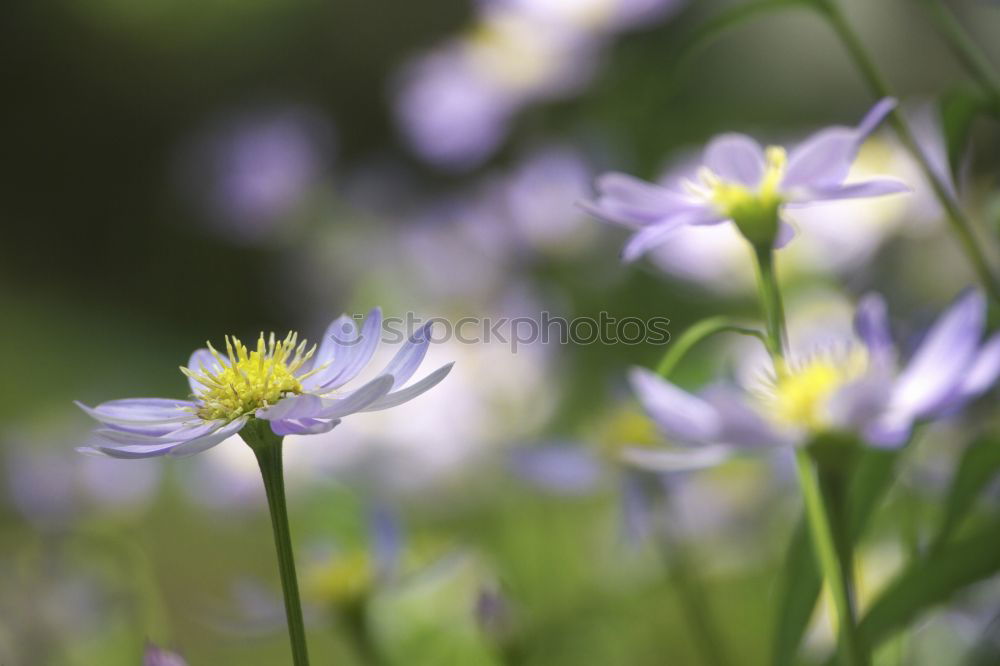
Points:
point(966, 50)
point(770, 299)
point(703, 329)
point(961, 225)
point(834, 561)
point(355, 619)
point(267, 447)
point(683, 572)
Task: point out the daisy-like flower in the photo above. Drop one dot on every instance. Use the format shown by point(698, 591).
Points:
point(742, 183)
point(858, 388)
point(299, 390)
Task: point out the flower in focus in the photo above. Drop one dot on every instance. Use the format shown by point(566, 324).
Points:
point(857, 387)
point(298, 390)
point(155, 656)
point(741, 182)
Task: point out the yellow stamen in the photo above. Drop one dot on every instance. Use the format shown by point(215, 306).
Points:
point(245, 380)
point(801, 396)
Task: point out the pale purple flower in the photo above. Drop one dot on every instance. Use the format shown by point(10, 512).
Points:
point(858, 387)
point(252, 170)
point(561, 468)
point(449, 113)
point(155, 656)
point(300, 392)
point(598, 16)
point(538, 195)
point(740, 181)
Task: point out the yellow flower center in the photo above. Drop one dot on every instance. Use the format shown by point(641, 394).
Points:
point(244, 381)
point(345, 578)
point(754, 210)
point(627, 427)
point(801, 396)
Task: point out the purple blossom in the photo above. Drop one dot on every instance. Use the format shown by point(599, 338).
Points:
point(300, 392)
point(738, 181)
point(562, 468)
point(860, 388)
point(251, 171)
point(155, 656)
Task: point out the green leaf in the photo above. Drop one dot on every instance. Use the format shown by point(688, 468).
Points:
point(959, 109)
point(932, 581)
point(731, 18)
point(800, 588)
point(801, 583)
point(979, 465)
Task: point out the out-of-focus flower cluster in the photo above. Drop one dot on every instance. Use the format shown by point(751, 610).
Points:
point(455, 104)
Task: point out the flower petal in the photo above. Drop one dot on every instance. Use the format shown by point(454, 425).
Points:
point(678, 413)
point(981, 375)
point(786, 232)
point(568, 469)
point(638, 193)
point(858, 404)
point(201, 360)
point(183, 434)
point(411, 391)
point(984, 371)
point(356, 353)
point(736, 158)
point(136, 411)
point(890, 431)
point(740, 424)
point(208, 441)
point(155, 656)
point(305, 405)
point(651, 236)
point(677, 460)
point(870, 188)
point(822, 159)
point(871, 323)
point(875, 116)
point(943, 358)
point(217, 433)
point(629, 201)
point(357, 401)
point(825, 158)
point(409, 357)
point(334, 352)
point(303, 426)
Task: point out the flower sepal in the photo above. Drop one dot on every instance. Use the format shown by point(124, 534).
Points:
point(758, 221)
point(259, 436)
point(835, 450)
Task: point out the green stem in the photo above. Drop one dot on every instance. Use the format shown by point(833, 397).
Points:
point(966, 50)
point(703, 329)
point(961, 225)
point(267, 447)
point(355, 618)
point(770, 299)
point(687, 582)
point(834, 561)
